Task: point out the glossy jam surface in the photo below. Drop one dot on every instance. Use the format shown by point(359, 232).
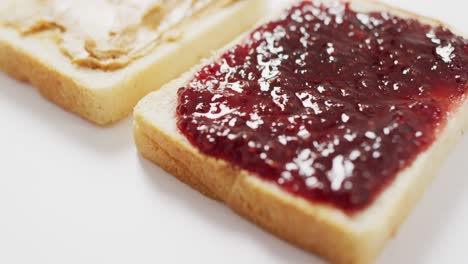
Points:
point(327, 103)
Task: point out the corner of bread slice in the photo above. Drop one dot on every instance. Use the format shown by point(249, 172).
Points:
point(158, 139)
point(104, 97)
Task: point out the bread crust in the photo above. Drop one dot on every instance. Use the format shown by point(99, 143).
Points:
point(106, 97)
point(305, 228)
point(335, 236)
point(56, 87)
point(150, 150)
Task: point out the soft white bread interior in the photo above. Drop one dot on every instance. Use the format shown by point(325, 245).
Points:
point(334, 235)
point(107, 96)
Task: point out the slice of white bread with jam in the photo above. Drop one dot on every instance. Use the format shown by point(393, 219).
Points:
point(326, 229)
point(98, 58)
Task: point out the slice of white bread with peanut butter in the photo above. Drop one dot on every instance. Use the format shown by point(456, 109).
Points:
point(330, 231)
point(98, 58)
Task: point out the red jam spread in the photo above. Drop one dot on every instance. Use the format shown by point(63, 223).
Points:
point(327, 103)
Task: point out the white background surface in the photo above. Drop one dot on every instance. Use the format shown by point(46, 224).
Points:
point(71, 192)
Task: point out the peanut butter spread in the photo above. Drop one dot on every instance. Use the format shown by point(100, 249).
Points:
point(106, 34)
